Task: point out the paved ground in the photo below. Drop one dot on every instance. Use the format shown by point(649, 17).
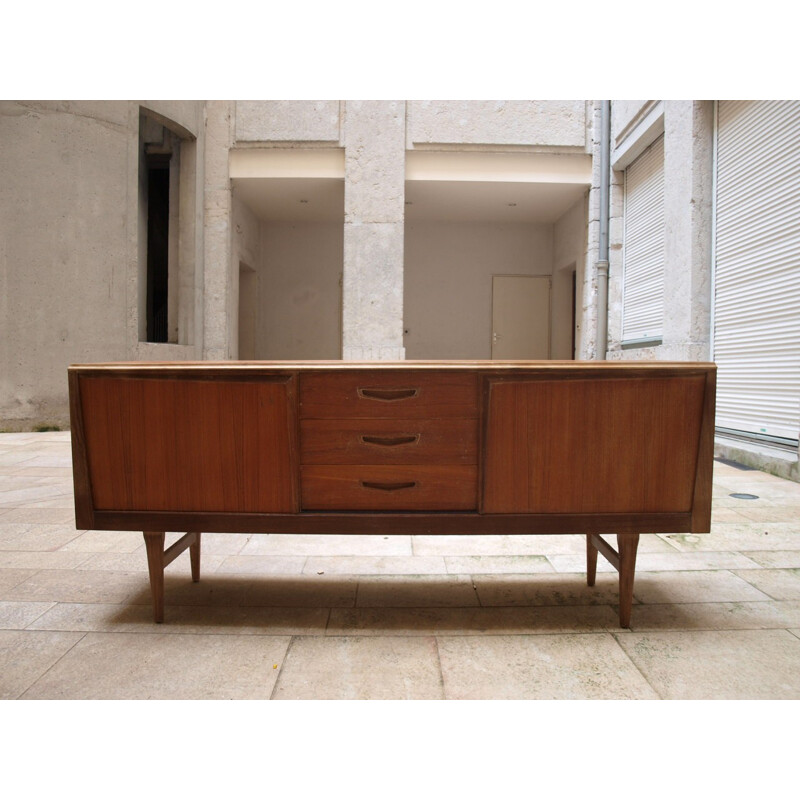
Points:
point(715, 616)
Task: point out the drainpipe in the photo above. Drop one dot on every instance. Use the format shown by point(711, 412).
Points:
point(602, 261)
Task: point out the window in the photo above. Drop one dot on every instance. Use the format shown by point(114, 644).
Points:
point(166, 231)
point(643, 249)
point(157, 307)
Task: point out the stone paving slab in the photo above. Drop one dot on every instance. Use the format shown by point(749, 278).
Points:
point(480, 622)
point(358, 668)
point(26, 656)
point(17, 615)
point(717, 665)
point(225, 620)
point(569, 667)
point(153, 666)
point(779, 584)
point(26, 536)
point(716, 616)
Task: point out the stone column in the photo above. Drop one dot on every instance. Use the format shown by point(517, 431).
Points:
point(587, 292)
point(688, 191)
point(217, 278)
point(374, 200)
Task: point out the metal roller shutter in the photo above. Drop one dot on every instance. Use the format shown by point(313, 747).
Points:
point(643, 247)
point(757, 268)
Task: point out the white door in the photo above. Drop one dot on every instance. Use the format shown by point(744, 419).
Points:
point(520, 317)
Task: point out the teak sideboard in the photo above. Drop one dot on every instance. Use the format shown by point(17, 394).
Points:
point(411, 447)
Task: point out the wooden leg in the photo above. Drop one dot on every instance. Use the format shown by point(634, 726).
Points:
point(623, 562)
point(627, 544)
point(194, 556)
point(154, 543)
point(591, 561)
point(158, 558)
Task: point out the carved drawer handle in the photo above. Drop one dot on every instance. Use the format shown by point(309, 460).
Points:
point(390, 441)
point(388, 487)
point(387, 395)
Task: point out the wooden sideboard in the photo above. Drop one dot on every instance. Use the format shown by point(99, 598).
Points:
point(478, 447)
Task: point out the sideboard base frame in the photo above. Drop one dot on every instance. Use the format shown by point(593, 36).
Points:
point(623, 560)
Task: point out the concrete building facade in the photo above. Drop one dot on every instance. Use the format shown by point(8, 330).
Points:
point(203, 230)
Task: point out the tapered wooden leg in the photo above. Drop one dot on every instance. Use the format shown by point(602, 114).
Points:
point(158, 558)
point(154, 543)
point(591, 561)
point(627, 544)
point(194, 557)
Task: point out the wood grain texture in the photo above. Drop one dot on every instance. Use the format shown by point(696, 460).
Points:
point(587, 446)
point(627, 545)
point(388, 441)
point(82, 485)
point(395, 522)
point(701, 506)
point(154, 546)
point(188, 445)
point(372, 488)
point(522, 460)
point(363, 393)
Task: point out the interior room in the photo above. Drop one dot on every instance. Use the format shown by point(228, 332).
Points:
point(288, 209)
point(494, 251)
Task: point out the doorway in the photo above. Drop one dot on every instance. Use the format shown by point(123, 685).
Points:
point(248, 307)
point(520, 317)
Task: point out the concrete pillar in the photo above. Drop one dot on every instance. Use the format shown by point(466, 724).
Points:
point(218, 282)
point(688, 142)
point(374, 200)
point(586, 344)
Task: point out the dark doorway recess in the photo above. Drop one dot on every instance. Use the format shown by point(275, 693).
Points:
point(157, 247)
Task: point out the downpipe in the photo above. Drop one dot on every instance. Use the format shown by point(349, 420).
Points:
point(602, 261)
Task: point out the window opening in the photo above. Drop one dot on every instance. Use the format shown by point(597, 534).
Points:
point(157, 309)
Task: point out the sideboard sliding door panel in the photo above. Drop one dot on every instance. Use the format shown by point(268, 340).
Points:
point(191, 445)
point(599, 445)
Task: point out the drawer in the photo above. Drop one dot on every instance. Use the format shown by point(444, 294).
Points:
point(389, 488)
point(399, 393)
point(388, 441)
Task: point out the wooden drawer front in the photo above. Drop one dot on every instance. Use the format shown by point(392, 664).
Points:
point(389, 488)
point(388, 441)
point(402, 394)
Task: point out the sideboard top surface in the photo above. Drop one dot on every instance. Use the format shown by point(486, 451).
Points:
point(254, 367)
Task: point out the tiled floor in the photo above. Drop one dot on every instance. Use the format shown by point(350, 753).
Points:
point(424, 617)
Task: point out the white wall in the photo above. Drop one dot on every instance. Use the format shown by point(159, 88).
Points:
point(299, 310)
point(448, 281)
point(569, 255)
point(245, 252)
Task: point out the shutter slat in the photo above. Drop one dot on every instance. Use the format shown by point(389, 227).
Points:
point(757, 267)
point(643, 246)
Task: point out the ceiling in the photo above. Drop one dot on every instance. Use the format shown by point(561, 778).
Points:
point(292, 199)
point(322, 200)
point(489, 201)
